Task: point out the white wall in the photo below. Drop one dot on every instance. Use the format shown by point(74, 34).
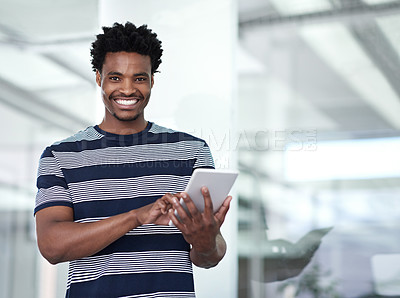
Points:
point(194, 92)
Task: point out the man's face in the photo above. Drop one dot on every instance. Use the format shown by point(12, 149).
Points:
point(126, 83)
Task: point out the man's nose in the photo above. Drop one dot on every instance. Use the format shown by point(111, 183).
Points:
point(128, 87)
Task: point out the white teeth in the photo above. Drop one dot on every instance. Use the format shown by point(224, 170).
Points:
point(126, 102)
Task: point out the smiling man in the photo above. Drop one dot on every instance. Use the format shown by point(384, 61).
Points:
point(106, 194)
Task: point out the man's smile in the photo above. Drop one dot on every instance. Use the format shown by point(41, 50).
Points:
point(126, 101)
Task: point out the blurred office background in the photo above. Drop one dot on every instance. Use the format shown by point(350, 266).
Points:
point(316, 138)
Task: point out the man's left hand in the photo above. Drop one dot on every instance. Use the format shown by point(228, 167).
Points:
point(201, 229)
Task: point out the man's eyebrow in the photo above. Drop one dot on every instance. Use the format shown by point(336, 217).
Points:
point(139, 74)
point(114, 73)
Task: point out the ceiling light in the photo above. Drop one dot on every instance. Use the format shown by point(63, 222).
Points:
point(375, 2)
point(293, 7)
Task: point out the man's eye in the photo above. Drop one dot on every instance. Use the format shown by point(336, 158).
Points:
point(140, 79)
point(114, 78)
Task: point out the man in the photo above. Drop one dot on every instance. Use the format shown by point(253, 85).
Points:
point(106, 195)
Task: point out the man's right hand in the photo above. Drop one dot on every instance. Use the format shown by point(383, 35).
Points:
point(157, 212)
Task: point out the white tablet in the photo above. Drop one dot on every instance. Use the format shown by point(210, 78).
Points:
point(219, 183)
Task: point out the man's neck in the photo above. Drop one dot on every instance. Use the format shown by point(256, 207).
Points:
point(124, 127)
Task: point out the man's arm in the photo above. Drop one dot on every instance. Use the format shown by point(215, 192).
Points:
point(201, 230)
point(61, 239)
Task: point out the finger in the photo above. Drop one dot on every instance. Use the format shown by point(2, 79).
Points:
point(191, 207)
point(223, 210)
point(166, 207)
point(164, 203)
point(168, 198)
point(180, 210)
point(173, 200)
point(208, 205)
point(172, 216)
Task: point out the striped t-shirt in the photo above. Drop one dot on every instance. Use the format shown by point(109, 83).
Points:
point(100, 174)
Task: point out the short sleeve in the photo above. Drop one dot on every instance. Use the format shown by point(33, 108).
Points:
point(51, 185)
point(204, 158)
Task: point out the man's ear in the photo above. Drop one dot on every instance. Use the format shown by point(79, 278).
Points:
point(152, 81)
point(98, 78)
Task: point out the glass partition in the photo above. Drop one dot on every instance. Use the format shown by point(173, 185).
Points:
point(319, 190)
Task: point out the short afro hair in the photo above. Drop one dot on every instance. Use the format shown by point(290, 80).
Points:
point(126, 38)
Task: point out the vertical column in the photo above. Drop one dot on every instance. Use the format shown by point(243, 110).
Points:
point(194, 92)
